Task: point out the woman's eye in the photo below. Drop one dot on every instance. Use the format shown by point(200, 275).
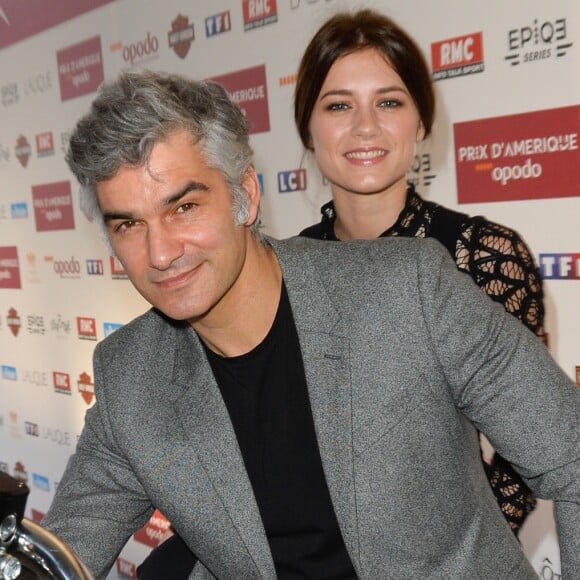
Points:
point(337, 107)
point(390, 103)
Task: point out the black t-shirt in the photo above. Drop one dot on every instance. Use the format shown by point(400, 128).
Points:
point(267, 399)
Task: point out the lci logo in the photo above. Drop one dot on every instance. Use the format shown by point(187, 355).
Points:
point(294, 180)
point(560, 266)
point(531, 155)
point(248, 89)
point(458, 56)
point(117, 270)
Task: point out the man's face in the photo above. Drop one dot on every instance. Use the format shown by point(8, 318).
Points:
point(171, 225)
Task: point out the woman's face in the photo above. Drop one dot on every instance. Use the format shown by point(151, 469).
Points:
point(364, 125)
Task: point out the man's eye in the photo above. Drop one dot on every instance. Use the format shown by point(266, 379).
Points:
point(124, 227)
point(185, 207)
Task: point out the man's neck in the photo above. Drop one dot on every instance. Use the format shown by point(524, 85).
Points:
point(250, 311)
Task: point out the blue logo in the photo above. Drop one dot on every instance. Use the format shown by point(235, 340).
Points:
point(289, 181)
point(40, 481)
point(9, 373)
point(560, 266)
point(19, 210)
point(217, 23)
point(110, 327)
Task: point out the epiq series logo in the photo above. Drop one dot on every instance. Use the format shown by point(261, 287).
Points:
point(525, 156)
point(248, 89)
point(259, 13)
point(53, 209)
point(181, 36)
point(9, 267)
point(538, 41)
point(80, 68)
point(560, 266)
point(456, 57)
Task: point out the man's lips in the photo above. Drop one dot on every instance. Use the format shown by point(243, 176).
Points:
point(177, 280)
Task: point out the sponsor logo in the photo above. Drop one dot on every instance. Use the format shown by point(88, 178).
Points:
point(4, 467)
point(9, 373)
point(61, 382)
point(31, 429)
point(13, 321)
point(459, 56)
point(20, 473)
point(44, 144)
point(53, 209)
point(117, 270)
point(58, 436)
point(13, 426)
point(19, 210)
point(64, 140)
point(294, 180)
point(22, 150)
point(526, 156)
point(9, 94)
point(9, 267)
point(35, 324)
point(36, 515)
point(261, 182)
point(155, 531)
point(138, 52)
point(38, 84)
point(80, 68)
point(538, 41)
point(578, 376)
point(95, 267)
point(66, 269)
point(86, 388)
point(32, 272)
point(248, 89)
point(218, 23)
point(4, 155)
point(560, 266)
point(60, 326)
point(548, 571)
point(181, 36)
point(295, 4)
point(40, 481)
point(287, 80)
point(126, 569)
point(86, 328)
point(421, 172)
point(35, 378)
point(259, 13)
point(110, 327)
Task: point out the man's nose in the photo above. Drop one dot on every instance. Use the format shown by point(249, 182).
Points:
point(164, 246)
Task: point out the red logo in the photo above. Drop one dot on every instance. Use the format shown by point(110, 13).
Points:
point(259, 13)
point(87, 328)
point(181, 36)
point(9, 267)
point(117, 270)
point(53, 209)
point(248, 89)
point(36, 515)
point(86, 388)
point(13, 321)
point(22, 150)
point(532, 155)
point(44, 144)
point(155, 531)
point(457, 56)
point(20, 472)
point(61, 382)
point(126, 569)
point(80, 68)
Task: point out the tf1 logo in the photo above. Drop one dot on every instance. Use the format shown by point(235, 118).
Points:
point(294, 180)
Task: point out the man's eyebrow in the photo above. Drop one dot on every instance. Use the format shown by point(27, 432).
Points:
point(109, 216)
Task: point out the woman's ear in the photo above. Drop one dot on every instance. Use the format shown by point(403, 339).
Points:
point(420, 132)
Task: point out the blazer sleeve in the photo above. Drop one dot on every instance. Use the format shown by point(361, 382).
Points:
point(502, 377)
point(99, 502)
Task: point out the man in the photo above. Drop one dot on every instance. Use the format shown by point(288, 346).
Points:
point(296, 409)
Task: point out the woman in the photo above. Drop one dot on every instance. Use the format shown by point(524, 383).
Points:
point(363, 99)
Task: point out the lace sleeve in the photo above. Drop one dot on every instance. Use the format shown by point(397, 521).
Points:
point(501, 264)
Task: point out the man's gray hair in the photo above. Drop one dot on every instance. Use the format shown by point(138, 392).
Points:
point(137, 110)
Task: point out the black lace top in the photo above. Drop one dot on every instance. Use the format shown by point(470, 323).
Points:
point(501, 264)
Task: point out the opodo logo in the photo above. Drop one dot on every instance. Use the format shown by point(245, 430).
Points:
point(259, 13)
point(538, 41)
point(218, 23)
point(44, 144)
point(86, 328)
point(248, 89)
point(22, 150)
point(294, 180)
point(526, 156)
point(560, 266)
point(80, 68)
point(155, 531)
point(68, 268)
point(86, 388)
point(181, 36)
point(459, 56)
point(53, 208)
point(138, 52)
point(9, 267)
point(126, 569)
point(61, 383)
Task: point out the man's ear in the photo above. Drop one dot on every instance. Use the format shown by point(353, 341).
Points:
point(251, 185)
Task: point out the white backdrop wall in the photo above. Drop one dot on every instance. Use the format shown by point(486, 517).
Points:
point(505, 145)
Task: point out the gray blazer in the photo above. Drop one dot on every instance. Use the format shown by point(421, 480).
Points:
point(404, 357)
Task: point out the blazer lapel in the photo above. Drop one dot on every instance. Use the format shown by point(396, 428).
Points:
point(206, 422)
